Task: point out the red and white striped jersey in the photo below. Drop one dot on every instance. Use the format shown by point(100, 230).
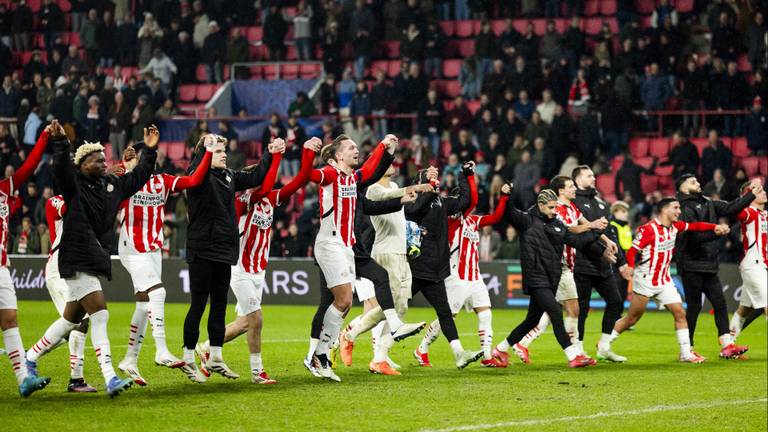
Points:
point(656, 244)
point(754, 236)
point(143, 214)
point(465, 248)
point(6, 196)
point(338, 198)
point(570, 215)
point(55, 208)
point(255, 227)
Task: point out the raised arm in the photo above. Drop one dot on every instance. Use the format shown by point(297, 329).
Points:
point(498, 213)
point(732, 208)
point(367, 173)
point(416, 211)
point(461, 203)
point(35, 156)
point(307, 159)
point(63, 169)
point(258, 177)
point(375, 208)
point(197, 177)
point(269, 181)
point(519, 219)
point(133, 181)
point(473, 198)
point(695, 226)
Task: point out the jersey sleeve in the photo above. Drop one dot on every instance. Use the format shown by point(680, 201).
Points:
point(642, 239)
point(365, 172)
point(694, 226)
point(6, 186)
point(323, 176)
point(176, 184)
point(498, 213)
point(744, 216)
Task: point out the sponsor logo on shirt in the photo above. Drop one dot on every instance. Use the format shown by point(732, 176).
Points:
point(147, 199)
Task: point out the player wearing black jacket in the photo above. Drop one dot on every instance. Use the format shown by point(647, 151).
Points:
point(542, 237)
point(591, 272)
point(429, 270)
point(697, 258)
point(213, 247)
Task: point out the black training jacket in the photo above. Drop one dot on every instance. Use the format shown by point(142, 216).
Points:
point(431, 212)
point(593, 207)
point(697, 251)
point(541, 247)
point(92, 206)
point(212, 232)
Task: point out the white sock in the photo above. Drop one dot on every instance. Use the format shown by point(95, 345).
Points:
point(100, 342)
point(332, 322)
point(206, 346)
point(431, 335)
point(367, 321)
point(614, 335)
point(376, 335)
point(157, 319)
point(503, 346)
point(393, 319)
point(572, 351)
point(312, 347)
point(683, 338)
point(572, 328)
point(485, 332)
point(605, 342)
point(189, 356)
point(352, 324)
point(216, 354)
point(536, 332)
point(14, 349)
point(76, 353)
point(137, 330)
point(256, 365)
point(457, 348)
point(725, 340)
point(51, 339)
point(385, 341)
point(737, 322)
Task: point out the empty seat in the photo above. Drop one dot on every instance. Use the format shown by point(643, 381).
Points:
point(393, 68)
point(664, 171)
point(608, 7)
point(465, 28)
point(451, 68)
point(649, 183)
point(466, 48)
point(684, 6)
point(645, 162)
point(378, 65)
point(200, 73)
point(743, 64)
point(606, 184)
point(254, 34)
point(700, 143)
point(644, 7)
point(391, 49)
point(269, 71)
point(187, 93)
point(473, 106)
point(592, 26)
point(638, 147)
point(498, 26)
point(591, 7)
point(751, 165)
point(205, 92)
point(310, 70)
point(659, 147)
point(739, 147)
point(289, 71)
point(448, 27)
point(176, 150)
point(452, 88)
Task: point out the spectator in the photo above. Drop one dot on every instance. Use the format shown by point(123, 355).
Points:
point(329, 100)
point(31, 125)
point(434, 41)
point(495, 82)
point(301, 106)
point(616, 117)
point(238, 50)
point(452, 167)
point(45, 96)
point(214, 53)
point(275, 30)
point(346, 88)
point(412, 44)
point(166, 111)
point(550, 43)
point(683, 156)
point(715, 155)
point(520, 77)
point(294, 140)
point(725, 189)
point(45, 238)
point(501, 168)
point(235, 157)
point(662, 11)
point(197, 132)
point(361, 132)
point(524, 107)
point(73, 60)
point(225, 130)
point(302, 31)
point(755, 40)
point(94, 127)
point(21, 26)
point(201, 21)
point(655, 92)
point(150, 35)
point(736, 91)
point(51, 21)
point(574, 40)
point(34, 67)
point(510, 246)
point(757, 128)
point(430, 120)
point(293, 246)
point(127, 41)
point(486, 46)
point(588, 137)
point(27, 241)
point(273, 130)
point(578, 95)
point(89, 37)
point(546, 108)
point(544, 157)
point(725, 39)
point(471, 78)
point(535, 129)
point(694, 88)
point(526, 180)
point(464, 146)
point(490, 244)
point(416, 86)
point(161, 67)
point(106, 40)
point(332, 47)
point(510, 126)
point(528, 46)
point(184, 56)
point(361, 101)
point(380, 97)
point(141, 118)
point(628, 178)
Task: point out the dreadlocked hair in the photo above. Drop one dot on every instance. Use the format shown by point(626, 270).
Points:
point(546, 196)
point(85, 150)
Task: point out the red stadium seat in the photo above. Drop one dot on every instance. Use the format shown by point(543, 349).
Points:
point(739, 147)
point(176, 150)
point(200, 73)
point(473, 106)
point(659, 147)
point(498, 26)
point(74, 39)
point(34, 5)
point(664, 171)
point(392, 49)
point(608, 7)
point(465, 28)
point(466, 48)
point(644, 7)
point(187, 92)
point(289, 71)
point(751, 165)
point(65, 5)
point(645, 162)
point(616, 163)
point(254, 33)
point(451, 68)
point(269, 71)
point(205, 92)
point(393, 68)
point(606, 184)
point(448, 27)
point(743, 64)
point(763, 163)
point(591, 7)
point(700, 143)
point(638, 147)
point(378, 65)
point(310, 71)
point(684, 6)
point(539, 26)
point(291, 54)
point(452, 88)
point(649, 183)
point(592, 26)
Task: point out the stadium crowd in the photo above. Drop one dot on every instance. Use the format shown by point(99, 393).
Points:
point(530, 105)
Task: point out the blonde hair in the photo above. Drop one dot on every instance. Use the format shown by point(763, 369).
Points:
point(86, 149)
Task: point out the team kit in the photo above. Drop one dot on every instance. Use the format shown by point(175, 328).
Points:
point(377, 241)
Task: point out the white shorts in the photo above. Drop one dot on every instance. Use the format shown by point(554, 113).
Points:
point(663, 294)
point(145, 269)
point(566, 289)
point(754, 288)
point(248, 288)
point(461, 292)
point(81, 285)
point(364, 289)
point(7, 290)
point(59, 291)
point(337, 262)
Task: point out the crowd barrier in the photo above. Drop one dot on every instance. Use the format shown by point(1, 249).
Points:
point(297, 281)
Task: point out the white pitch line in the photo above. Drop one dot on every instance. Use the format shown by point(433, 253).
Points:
point(544, 421)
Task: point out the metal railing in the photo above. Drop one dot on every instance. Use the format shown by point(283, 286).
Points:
point(662, 118)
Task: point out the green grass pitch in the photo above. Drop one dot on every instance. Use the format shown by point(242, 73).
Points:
point(650, 392)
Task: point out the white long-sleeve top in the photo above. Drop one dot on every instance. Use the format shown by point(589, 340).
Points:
point(390, 228)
